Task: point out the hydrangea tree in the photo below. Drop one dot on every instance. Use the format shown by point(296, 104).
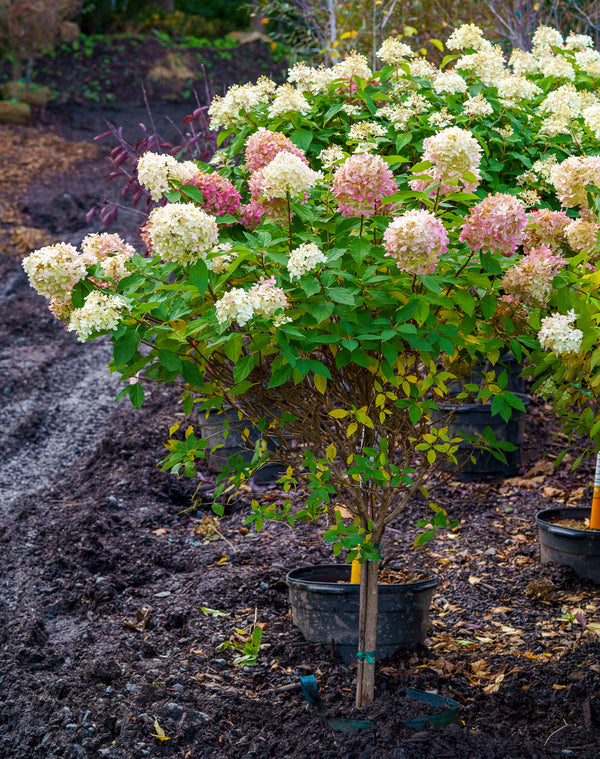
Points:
point(359, 235)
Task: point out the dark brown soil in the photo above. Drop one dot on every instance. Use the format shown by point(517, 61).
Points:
point(116, 597)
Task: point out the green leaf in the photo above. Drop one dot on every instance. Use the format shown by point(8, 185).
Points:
point(302, 138)
point(199, 276)
point(322, 310)
point(341, 295)
point(136, 394)
point(193, 193)
point(169, 360)
point(125, 347)
point(243, 367)
point(281, 372)
point(191, 374)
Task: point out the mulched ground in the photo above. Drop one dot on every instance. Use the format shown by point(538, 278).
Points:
point(117, 596)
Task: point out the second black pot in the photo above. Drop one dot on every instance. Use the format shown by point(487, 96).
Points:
point(579, 549)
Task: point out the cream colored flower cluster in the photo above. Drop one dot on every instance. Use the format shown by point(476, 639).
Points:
point(101, 312)
point(180, 232)
point(571, 177)
point(227, 111)
point(110, 251)
point(416, 240)
point(155, 169)
point(55, 269)
point(582, 235)
point(288, 173)
point(393, 52)
point(557, 334)
point(513, 89)
point(288, 100)
point(263, 299)
point(454, 153)
point(305, 258)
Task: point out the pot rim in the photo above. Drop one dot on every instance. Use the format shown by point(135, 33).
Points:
point(344, 587)
point(577, 512)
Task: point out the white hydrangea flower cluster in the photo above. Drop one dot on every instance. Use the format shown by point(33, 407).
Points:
point(180, 232)
point(55, 269)
point(488, 64)
point(330, 156)
point(588, 61)
point(513, 89)
point(563, 101)
point(441, 119)
point(366, 130)
point(101, 312)
point(545, 38)
point(582, 235)
point(477, 106)
point(591, 118)
point(423, 69)
point(465, 37)
point(227, 111)
point(154, 170)
point(239, 305)
point(556, 334)
point(288, 99)
point(578, 41)
point(110, 251)
point(288, 173)
point(354, 64)
point(522, 62)
point(556, 65)
point(220, 263)
point(449, 81)
point(305, 258)
point(310, 79)
point(571, 177)
point(393, 52)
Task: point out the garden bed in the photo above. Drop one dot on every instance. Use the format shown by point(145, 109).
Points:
point(117, 596)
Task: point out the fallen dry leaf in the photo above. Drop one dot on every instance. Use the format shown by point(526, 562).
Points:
point(142, 617)
point(160, 531)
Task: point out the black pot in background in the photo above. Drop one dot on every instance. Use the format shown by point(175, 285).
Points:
point(325, 607)
point(472, 419)
point(579, 549)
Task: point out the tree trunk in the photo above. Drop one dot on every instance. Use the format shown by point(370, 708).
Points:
point(367, 634)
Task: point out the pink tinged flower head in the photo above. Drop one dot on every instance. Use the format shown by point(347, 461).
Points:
point(531, 279)
point(582, 235)
point(495, 225)
point(455, 154)
point(545, 227)
point(557, 334)
point(360, 184)
point(263, 146)
point(97, 247)
point(251, 214)
point(416, 240)
point(220, 195)
point(571, 177)
point(55, 269)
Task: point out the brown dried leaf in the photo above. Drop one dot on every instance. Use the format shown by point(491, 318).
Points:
point(142, 617)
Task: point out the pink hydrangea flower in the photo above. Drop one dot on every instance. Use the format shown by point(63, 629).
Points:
point(263, 146)
point(531, 279)
point(416, 240)
point(545, 227)
point(220, 195)
point(496, 225)
point(360, 184)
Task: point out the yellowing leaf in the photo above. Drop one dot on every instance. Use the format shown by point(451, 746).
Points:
point(320, 383)
point(510, 630)
point(173, 428)
point(222, 560)
point(437, 44)
point(338, 413)
point(352, 427)
point(331, 452)
point(159, 732)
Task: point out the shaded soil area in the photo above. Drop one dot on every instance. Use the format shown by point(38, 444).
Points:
point(117, 596)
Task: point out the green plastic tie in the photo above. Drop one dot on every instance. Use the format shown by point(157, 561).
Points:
point(368, 656)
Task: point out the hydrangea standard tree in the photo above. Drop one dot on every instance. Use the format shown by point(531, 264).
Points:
point(382, 238)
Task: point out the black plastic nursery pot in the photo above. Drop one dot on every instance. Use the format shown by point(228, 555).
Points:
point(213, 427)
point(472, 419)
point(579, 549)
point(325, 608)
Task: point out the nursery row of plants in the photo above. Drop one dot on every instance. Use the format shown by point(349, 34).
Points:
point(361, 243)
